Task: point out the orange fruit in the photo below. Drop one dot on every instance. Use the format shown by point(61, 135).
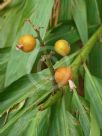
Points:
point(62, 47)
point(62, 75)
point(27, 43)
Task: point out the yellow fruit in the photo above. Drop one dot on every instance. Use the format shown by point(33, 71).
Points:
point(62, 75)
point(62, 47)
point(27, 43)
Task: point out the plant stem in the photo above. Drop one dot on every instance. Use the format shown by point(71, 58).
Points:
point(50, 101)
point(48, 60)
point(84, 52)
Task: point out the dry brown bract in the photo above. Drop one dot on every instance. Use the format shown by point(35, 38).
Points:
point(55, 13)
point(4, 4)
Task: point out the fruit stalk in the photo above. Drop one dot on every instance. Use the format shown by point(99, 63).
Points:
point(48, 60)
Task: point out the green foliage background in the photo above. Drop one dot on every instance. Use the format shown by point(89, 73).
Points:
point(71, 115)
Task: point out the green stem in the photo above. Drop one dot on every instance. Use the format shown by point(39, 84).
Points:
point(83, 54)
point(50, 101)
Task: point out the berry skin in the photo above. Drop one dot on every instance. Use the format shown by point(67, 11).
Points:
point(27, 43)
point(63, 75)
point(62, 47)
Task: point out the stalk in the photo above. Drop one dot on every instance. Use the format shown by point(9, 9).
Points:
point(47, 59)
point(84, 52)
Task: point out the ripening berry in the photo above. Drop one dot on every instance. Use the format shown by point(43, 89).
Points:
point(63, 75)
point(62, 47)
point(27, 43)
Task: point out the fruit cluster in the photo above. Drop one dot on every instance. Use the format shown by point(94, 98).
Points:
point(27, 43)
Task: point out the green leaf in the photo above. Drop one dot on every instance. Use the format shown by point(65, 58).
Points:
point(93, 94)
point(61, 32)
point(26, 60)
point(20, 125)
point(93, 15)
point(65, 10)
point(23, 88)
point(83, 117)
point(4, 56)
point(100, 5)
point(39, 125)
point(62, 122)
point(95, 61)
point(94, 127)
point(32, 123)
point(80, 17)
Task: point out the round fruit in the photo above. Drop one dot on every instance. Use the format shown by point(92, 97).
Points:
point(62, 75)
point(27, 43)
point(62, 47)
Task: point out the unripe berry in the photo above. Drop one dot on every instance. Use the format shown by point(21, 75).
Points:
point(62, 47)
point(63, 75)
point(27, 43)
